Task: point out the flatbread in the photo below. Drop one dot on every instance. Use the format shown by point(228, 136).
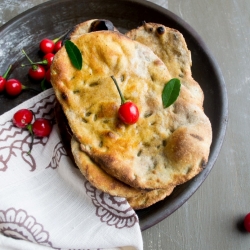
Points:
point(166, 147)
point(138, 199)
point(170, 45)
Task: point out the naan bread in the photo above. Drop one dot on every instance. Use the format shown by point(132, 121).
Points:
point(166, 147)
point(170, 45)
point(137, 198)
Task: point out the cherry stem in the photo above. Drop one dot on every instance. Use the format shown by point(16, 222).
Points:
point(123, 100)
point(27, 56)
point(7, 72)
point(60, 37)
point(29, 127)
point(34, 66)
point(44, 62)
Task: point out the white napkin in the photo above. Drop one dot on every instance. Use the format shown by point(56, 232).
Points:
point(45, 203)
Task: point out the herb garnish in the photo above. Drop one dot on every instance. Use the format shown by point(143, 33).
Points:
point(171, 92)
point(74, 54)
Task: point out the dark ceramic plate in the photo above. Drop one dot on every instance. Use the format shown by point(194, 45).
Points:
point(53, 18)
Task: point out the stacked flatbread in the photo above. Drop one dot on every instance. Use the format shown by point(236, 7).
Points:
point(166, 147)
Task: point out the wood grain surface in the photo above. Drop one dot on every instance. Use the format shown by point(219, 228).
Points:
point(211, 218)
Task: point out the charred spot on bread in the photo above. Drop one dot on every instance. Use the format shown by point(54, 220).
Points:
point(203, 163)
point(160, 30)
point(199, 138)
point(64, 96)
point(101, 24)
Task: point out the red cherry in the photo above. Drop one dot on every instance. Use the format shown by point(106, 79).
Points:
point(128, 113)
point(47, 46)
point(58, 46)
point(48, 59)
point(247, 222)
point(3, 79)
point(50, 46)
point(22, 118)
point(37, 72)
point(41, 127)
point(13, 87)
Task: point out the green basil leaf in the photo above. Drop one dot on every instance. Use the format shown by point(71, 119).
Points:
point(74, 54)
point(171, 92)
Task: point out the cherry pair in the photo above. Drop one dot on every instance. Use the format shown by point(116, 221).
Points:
point(50, 46)
point(41, 127)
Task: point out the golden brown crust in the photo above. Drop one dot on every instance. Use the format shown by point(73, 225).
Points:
point(138, 199)
point(99, 178)
point(148, 199)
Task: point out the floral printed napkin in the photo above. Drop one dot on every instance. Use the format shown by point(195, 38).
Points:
point(45, 203)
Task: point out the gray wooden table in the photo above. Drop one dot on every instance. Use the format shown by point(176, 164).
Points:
point(210, 219)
